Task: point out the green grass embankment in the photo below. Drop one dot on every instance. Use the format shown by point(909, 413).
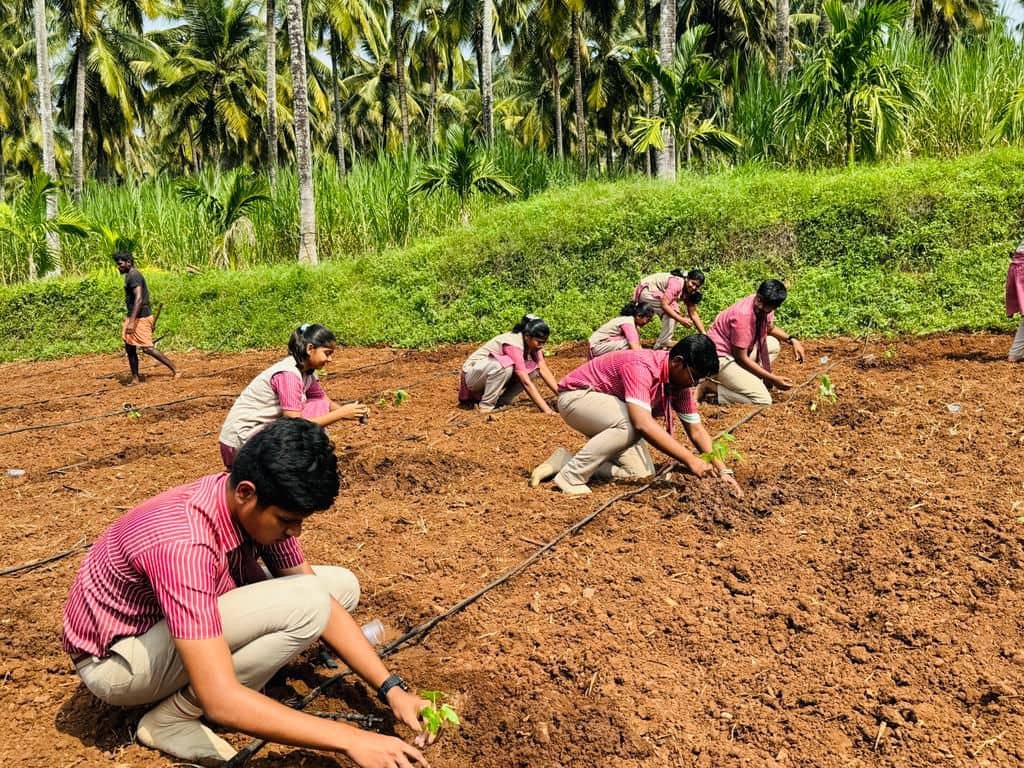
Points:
point(898, 249)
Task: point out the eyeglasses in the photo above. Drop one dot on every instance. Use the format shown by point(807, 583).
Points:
point(693, 378)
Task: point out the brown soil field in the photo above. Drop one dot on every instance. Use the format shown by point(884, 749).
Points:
point(860, 606)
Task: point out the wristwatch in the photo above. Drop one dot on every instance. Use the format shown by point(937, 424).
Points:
point(791, 339)
point(393, 681)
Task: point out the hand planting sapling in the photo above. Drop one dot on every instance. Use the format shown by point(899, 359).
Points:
point(437, 715)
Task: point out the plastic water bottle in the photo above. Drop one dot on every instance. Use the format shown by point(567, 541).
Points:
point(373, 631)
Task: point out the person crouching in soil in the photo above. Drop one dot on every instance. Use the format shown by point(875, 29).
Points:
point(497, 372)
point(747, 341)
point(172, 607)
point(664, 290)
point(621, 332)
point(287, 388)
point(1015, 301)
point(137, 329)
point(614, 400)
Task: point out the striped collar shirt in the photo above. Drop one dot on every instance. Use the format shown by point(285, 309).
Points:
point(169, 558)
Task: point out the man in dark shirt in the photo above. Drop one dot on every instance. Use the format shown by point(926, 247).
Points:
point(137, 330)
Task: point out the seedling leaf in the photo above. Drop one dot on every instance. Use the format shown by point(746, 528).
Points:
point(722, 450)
point(448, 714)
point(437, 714)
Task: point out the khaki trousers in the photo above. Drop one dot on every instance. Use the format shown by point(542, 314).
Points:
point(1017, 348)
point(266, 625)
point(614, 449)
point(738, 385)
point(494, 383)
point(604, 347)
point(668, 324)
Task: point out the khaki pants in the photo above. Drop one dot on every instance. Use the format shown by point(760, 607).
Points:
point(266, 625)
point(614, 449)
point(495, 384)
point(738, 385)
point(1017, 348)
point(604, 347)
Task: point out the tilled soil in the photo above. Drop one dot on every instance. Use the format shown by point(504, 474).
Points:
point(860, 605)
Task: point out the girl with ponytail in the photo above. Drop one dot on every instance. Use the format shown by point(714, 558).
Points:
point(621, 332)
point(506, 365)
point(665, 290)
point(287, 388)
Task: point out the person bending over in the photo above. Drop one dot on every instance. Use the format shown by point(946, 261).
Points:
point(287, 388)
point(747, 341)
point(664, 290)
point(173, 608)
point(487, 375)
point(137, 329)
point(615, 400)
point(621, 332)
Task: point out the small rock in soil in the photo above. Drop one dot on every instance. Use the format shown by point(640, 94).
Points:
point(858, 654)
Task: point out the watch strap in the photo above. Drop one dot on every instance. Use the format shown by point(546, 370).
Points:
point(391, 682)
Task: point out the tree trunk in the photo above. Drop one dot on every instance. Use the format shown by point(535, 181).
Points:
point(556, 90)
point(46, 128)
point(398, 45)
point(782, 39)
point(649, 158)
point(911, 16)
point(303, 150)
point(339, 125)
point(432, 106)
point(609, 139)
point(577, 74)
point(851, 150)
point(271, 43)
point(487, 66)
point(667, 156)
point(78, 132)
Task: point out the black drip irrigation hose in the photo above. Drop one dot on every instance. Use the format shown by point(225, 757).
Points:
point(123, 411)
point(25, 567)
point(419, 631)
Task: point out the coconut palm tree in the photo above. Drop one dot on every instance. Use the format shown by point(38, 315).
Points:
point(43, 94)
point(226, 200)
point(849, 75)
point(464, 168)
point(270, 45)
point(666, 156)
point(303, 148)
point(686, 86)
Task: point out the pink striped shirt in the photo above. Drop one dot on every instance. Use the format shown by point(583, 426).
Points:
point(638, 377)
point(169, 558)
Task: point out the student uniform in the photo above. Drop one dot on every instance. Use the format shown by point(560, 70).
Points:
point(593, 400)
point(179, 567)
point(650, 290)
point(614, 335)
point(1015, 301)
point(487, 373)
point(739, 326)
point(281, 387)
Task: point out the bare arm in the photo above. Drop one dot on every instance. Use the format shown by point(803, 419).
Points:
point(227, 702)
point(745, 361)
point(691, 310)
point(545, 373)
point(337, 413)
point(533, 392)
point(670, 310)
point(635, 345)
point(655, 434)
point(781, 335)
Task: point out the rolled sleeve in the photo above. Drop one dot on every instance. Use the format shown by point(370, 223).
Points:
point(637, 384)
point(685, 404)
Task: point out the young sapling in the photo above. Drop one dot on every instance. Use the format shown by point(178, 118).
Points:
point(722, 450)
point(437, 714)
point(826, 392)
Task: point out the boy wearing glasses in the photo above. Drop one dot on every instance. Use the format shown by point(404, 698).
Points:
point(615, 399)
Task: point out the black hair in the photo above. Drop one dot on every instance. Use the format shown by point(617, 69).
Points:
point(691, 274)
point(638, 309)
point(698, 352)
point(124, 256)
point(532, 326)
point(292, 465)
point(772, 293)
point(308, 333)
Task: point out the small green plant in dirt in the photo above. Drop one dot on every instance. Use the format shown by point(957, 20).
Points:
point(437, 714)
point(131, 411)
point(722, 450)
point(397, 397)
point(826, 392)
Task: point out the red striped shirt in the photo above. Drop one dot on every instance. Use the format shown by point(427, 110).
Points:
point(169, 558)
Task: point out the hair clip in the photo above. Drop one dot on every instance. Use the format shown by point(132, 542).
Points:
point(304, 327)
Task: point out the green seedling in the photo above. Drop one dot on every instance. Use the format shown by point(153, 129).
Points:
point(131, 411)
point(437, 714)
point(826, 392)
point(397, 397)
point(722, 450)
